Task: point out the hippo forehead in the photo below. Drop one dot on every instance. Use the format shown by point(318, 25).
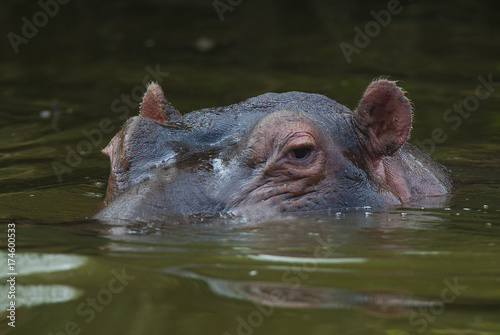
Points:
point(209, 128)
point(215, 124)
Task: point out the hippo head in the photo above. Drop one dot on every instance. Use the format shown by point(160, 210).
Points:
point(271, 154)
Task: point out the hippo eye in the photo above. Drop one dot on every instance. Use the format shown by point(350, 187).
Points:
point(300, 153)
point(300, 149)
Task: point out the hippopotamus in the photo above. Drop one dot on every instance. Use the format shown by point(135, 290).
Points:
point(273, 154)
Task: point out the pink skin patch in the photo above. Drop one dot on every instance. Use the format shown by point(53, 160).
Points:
point(155, 106)
point(383, 122)
point(384, 118)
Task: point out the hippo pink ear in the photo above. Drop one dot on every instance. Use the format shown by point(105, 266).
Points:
point(155, 107)
point(383, 118)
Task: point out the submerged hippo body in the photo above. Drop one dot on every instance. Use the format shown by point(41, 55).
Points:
point(272, 154)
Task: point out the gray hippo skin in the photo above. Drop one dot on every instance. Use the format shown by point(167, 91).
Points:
point(274, 154)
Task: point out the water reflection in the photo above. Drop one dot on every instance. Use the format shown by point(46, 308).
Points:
point(272, 295)
point(30, 265)
point(297, 262)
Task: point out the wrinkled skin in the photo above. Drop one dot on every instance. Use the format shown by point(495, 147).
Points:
point(270, 155)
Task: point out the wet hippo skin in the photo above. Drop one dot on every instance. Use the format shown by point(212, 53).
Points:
point(274, 154)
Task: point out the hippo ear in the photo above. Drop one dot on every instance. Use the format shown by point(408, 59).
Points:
point(155, 107)
point(383, 118)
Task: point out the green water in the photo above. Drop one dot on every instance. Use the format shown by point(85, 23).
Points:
point(409, 270)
